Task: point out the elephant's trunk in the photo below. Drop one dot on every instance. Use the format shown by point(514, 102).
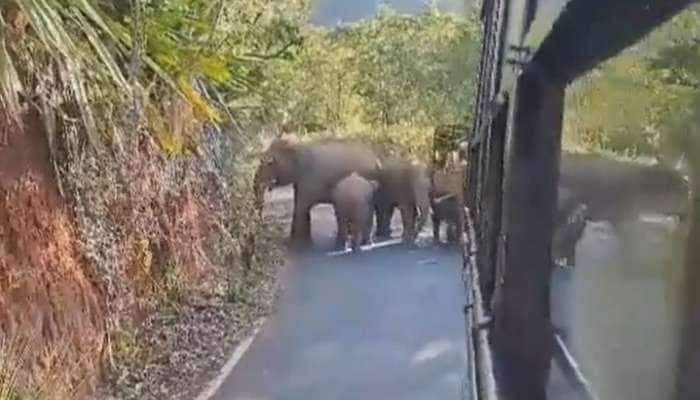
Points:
point(421, 192)
point(439, 200)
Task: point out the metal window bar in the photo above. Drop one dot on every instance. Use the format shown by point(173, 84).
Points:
point(484, 386)
point(484, 180)
point(571, 370)
point(480, 177)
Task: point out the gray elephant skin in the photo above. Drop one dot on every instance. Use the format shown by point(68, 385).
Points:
point(404, 185)
point(353, 198)
point(594, 187)
point(315, 168)
point(615, 190)
point(447, 206)
point(446, 210)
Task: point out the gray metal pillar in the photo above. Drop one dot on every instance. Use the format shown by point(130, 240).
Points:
point(522, 331)
point(687, 385)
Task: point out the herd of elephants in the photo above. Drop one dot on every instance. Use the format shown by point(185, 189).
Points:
point(364, 183)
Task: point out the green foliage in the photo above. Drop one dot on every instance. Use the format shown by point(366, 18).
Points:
point(95, 54)
point(609, 108)
point(257, 60)
point(675, 70)
point(225, 43)
point(644, 101)
point(67, 48)
point(387, 73)
point(414, 69)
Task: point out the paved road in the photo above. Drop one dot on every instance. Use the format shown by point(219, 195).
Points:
point(617, 306)
point(384, 324)
point(350, 327)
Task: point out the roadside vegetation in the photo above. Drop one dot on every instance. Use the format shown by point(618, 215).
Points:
point(133, 254)
point(642, 103)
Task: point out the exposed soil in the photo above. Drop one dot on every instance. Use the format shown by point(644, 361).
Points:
point(128, 271)
point(180, 350)
point(47, 298)
point(177, 351)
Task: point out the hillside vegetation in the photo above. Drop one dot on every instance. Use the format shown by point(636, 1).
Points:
point(130, 230)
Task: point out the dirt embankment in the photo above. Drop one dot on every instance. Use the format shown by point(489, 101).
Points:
point(113, 264)
point(49, 303)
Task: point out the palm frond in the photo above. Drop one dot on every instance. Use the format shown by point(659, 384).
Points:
point(61, 29)
point(101, 50)
point(10, 84)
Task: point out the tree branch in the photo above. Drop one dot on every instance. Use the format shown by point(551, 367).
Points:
point(274, 55)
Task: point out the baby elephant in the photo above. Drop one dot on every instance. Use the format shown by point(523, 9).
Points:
point(447, 208)
point(353, 198)
point(447, 204)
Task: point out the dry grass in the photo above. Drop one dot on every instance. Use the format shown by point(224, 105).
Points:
point(160, 208)
point(28, 372)
point(11, 352)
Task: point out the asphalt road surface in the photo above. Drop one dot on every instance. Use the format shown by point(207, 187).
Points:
point(387, 323)
point(619, 308)
point(383, 324)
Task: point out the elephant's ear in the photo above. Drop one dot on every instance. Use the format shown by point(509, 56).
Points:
point(292, 154)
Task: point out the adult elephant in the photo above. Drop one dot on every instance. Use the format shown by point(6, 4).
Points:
point(314, 169)
point(406, 185)
point(616, 191)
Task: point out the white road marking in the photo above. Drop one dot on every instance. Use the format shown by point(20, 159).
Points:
point(216, 383)
point(365, 247)
point(432, 351)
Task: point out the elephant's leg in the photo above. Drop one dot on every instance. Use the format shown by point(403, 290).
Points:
point(356, 230)
point(339, 224)
point(384, 211)
point(384, 208)
point(301, 219)
point(408, 219)
point(342, 239)
point(421, 200)
point(436, 228)
point(305, 233)
point(452, 233)
point(420, 212)
point(570, 254)
point(342, 236)
point(381, 221)
point(293, 231)
point(459, 227)
point(367, 227)
point(301, 225)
